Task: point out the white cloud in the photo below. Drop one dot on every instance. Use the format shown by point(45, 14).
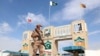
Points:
point(94, 45)
point(94, 32)
point(91, 4)
point(36, 19)
point(10, 1)
point(5, 28)
point(72, 9)
point(8, 43)
point(96, 21)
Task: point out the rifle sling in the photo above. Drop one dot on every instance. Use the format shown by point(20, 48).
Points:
point(39, 38)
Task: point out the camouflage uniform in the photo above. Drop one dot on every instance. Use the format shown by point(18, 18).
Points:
point(37, 44)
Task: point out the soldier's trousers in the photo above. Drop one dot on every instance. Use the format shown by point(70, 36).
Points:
point(39, 47)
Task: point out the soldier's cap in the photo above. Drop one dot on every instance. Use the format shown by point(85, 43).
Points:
point(38, 25)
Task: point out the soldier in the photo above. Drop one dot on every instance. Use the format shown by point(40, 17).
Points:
point(38, 42)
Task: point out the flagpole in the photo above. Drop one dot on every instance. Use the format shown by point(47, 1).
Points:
point(81, 11)
point(49, 14)
point(27, 26)
point(51, 3)
point(82, 7)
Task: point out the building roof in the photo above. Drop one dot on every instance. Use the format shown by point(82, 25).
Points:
point(78, 49)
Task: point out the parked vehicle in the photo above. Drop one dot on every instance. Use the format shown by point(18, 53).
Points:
point(11, 53)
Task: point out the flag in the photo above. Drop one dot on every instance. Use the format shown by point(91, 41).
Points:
point(83, 5)
point(29, 20)
point(53, 3)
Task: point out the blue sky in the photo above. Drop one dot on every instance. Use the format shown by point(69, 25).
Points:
point(14, 13)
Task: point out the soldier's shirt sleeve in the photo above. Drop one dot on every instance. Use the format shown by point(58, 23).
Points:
point(33, 34)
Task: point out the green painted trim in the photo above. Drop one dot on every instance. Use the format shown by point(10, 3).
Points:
point(25, 44)
point(48, 45)
point(79, 39)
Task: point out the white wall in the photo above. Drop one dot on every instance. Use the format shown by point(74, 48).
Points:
point(92, 52)
point(3, 54)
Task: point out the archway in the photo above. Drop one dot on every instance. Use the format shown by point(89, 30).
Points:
point(76, 31)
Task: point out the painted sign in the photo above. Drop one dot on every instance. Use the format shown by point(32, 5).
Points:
point(25, 48)
point(79, 41)
point(78, 27)
point(47, 32)
point(48, 45)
